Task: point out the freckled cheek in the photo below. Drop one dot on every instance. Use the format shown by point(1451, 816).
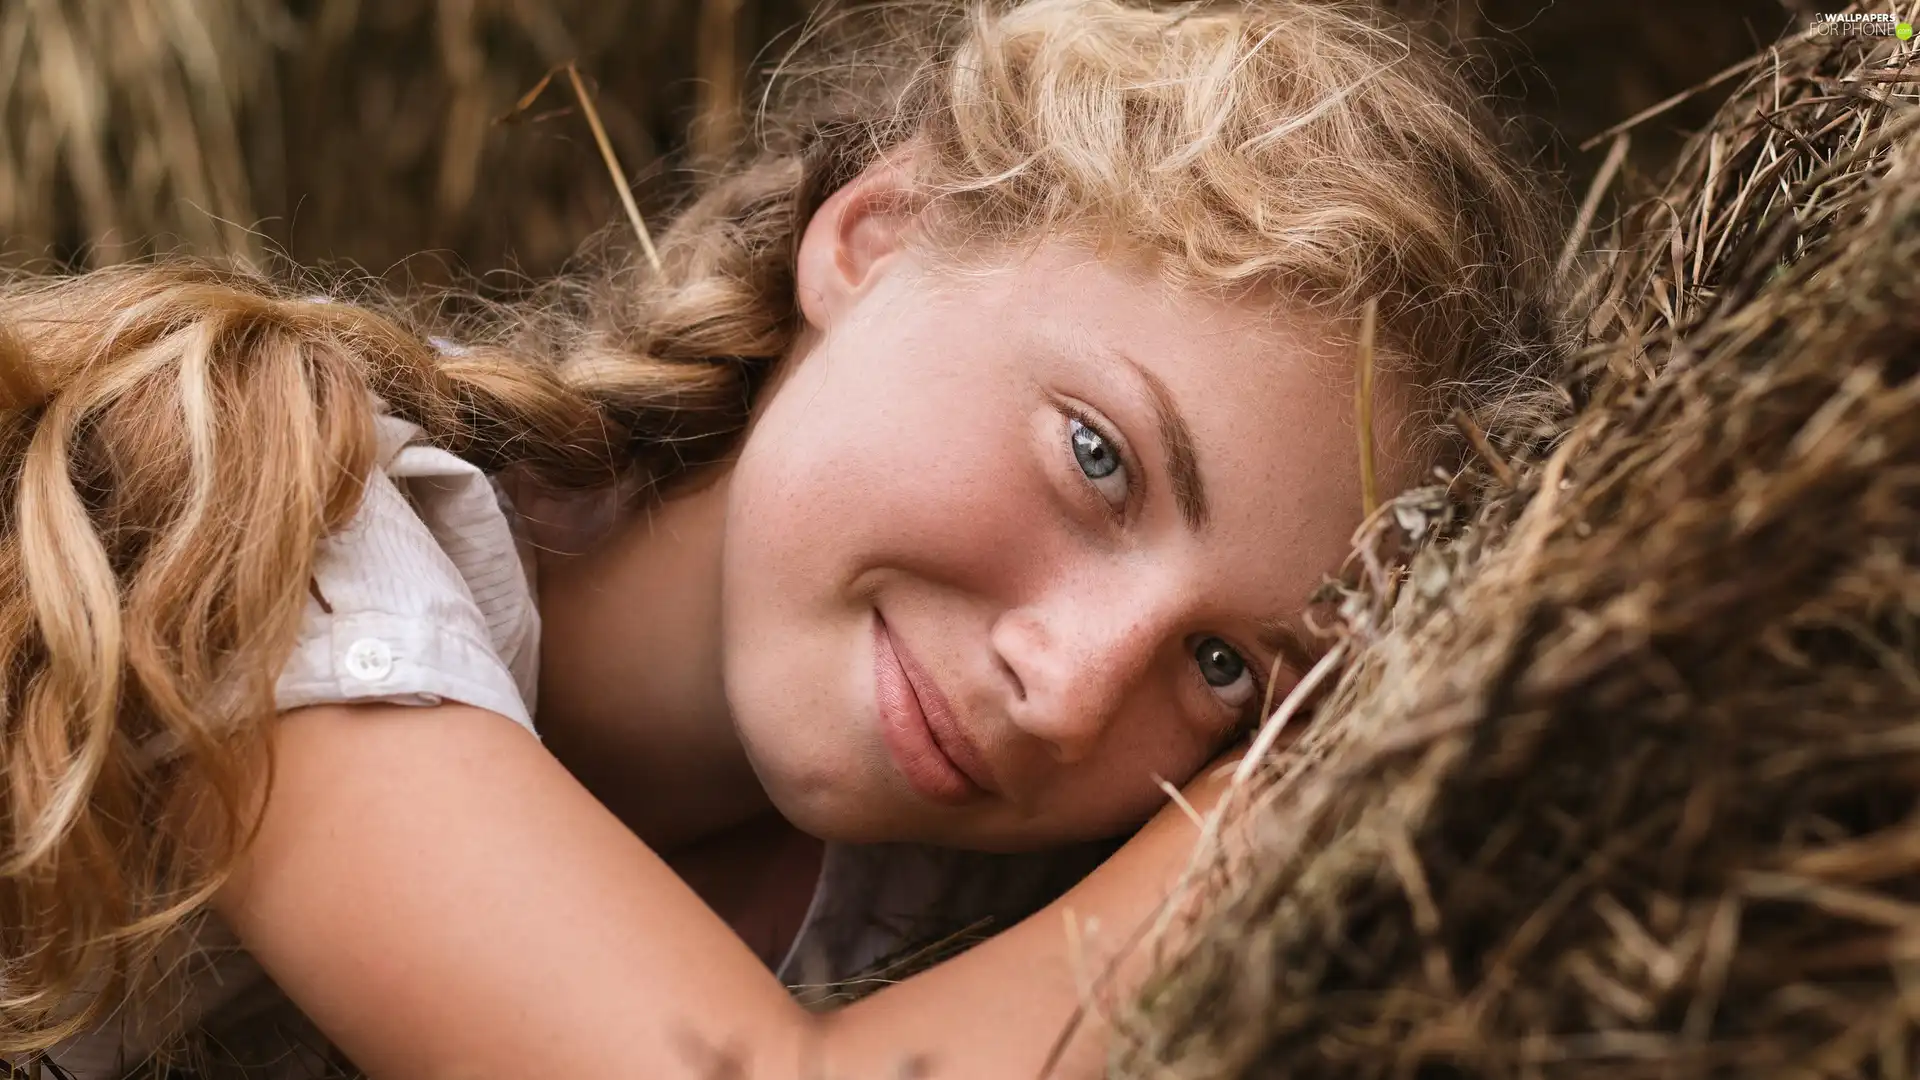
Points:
point(1116, 804)
point(963, 496)
point(1121, 790)
point(985, 526)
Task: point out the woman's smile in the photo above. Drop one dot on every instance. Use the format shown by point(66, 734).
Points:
point(918, 726)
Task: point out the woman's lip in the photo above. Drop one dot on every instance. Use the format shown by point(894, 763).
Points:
point(945, 728)
point(905, 728)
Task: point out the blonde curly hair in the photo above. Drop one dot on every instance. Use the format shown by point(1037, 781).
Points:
point(154, 414)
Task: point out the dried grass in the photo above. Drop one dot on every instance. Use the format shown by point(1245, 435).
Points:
point(366, 131)
point(361, 131)
point(113, 115)
point(1623, 779)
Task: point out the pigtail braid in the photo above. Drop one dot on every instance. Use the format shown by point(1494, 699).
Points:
point(662, 367)
point(677, 356)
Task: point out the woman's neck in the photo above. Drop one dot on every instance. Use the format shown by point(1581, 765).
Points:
point(631, 699)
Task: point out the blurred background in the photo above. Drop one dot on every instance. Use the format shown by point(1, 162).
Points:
point(383, 134)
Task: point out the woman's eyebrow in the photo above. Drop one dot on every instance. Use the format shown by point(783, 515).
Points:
point(1278, 636)
point(1281, 638)
point(1176, 439)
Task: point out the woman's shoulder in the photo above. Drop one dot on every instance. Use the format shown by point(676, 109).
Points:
point(427, 594)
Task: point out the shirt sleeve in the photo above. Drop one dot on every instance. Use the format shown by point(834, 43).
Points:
point(422, 598)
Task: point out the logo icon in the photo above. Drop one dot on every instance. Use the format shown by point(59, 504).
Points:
point(1862, 24)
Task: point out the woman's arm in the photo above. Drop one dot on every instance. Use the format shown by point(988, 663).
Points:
point(444, 900)
point(998, 1009)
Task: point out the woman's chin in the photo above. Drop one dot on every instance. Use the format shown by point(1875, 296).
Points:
point(835, 812)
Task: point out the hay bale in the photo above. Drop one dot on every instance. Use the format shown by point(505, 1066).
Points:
point(1625, 778)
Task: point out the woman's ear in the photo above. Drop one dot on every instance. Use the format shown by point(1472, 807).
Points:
point(850, 240)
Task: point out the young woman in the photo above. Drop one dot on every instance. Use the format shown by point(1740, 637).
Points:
point(954, 483)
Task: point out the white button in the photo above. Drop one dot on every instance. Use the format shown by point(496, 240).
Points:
point(369, 659)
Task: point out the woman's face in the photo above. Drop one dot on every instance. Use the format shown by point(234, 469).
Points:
point(1006, 549)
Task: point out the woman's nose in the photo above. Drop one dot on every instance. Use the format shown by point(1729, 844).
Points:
point(1073, 663)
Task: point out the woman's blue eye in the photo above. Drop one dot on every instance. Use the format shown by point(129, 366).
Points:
point(1097, 457)
point(1225, 669)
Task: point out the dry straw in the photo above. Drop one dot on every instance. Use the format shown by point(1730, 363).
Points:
point(1623, 779)
point(114, 117)
point(614, 170)
point(362, 131)
point(350, 130)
